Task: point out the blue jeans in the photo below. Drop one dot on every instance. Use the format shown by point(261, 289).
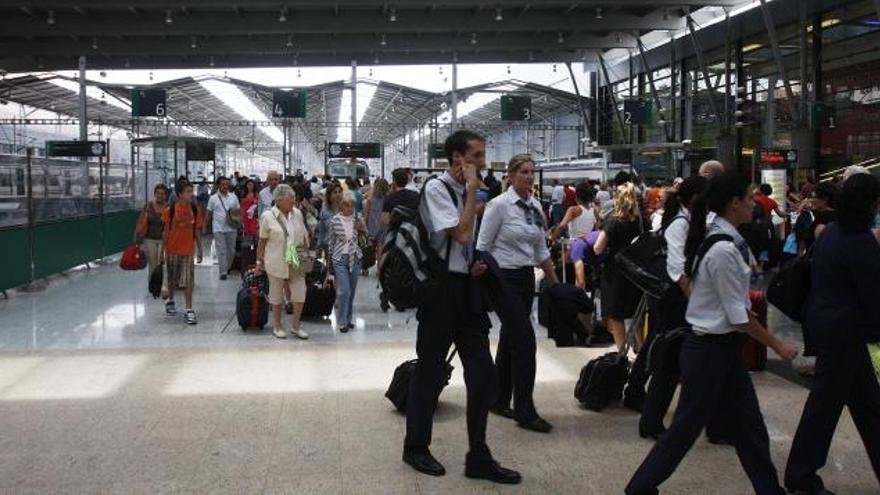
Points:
point(557, 212)
point(347, 271)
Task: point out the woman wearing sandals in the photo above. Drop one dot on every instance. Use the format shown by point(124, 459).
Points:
point(346, 255)
point(281, 252)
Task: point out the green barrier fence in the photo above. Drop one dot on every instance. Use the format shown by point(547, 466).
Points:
point(61, 245)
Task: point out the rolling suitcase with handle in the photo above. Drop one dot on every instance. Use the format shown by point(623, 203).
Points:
point(252, 308)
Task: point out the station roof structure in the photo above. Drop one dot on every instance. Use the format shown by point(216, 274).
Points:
point(195, 110)
point(51, 34)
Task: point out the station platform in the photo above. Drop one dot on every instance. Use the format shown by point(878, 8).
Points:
point(100, 392)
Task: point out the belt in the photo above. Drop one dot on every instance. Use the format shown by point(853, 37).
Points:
point(718, 336)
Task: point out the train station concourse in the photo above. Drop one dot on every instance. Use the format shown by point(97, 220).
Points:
point(247, 245)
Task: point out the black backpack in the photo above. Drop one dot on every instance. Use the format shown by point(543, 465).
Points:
point(601, 381)
point(410, 268)
point(643, 262)
point(790, 286)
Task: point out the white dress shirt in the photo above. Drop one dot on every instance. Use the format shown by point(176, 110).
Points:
point(266, 199)
point(439, 213)
point(676, 234)
point(720, 295)
point(218, 204)
point(514, 236)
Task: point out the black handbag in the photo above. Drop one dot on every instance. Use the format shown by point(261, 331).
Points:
point(664, 351)
point(790, 287)
point(644, 264)
point(398, 390)
point(156, 279)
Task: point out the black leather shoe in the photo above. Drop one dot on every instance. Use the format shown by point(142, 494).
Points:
point(503, 411)
point(492, 471)
point(651, 433)
point(538, 424)
point(424, 462)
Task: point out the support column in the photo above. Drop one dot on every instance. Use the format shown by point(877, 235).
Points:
point(354, 101)
point(770, 121)
point(610, 92)
point(819, 89)
point(83, 116)
point(454, 96)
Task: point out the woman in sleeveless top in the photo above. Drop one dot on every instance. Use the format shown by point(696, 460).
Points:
point(148, 231)
point(580, 219)
point(373, 215)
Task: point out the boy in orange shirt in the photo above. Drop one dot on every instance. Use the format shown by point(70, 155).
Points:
point(180, 240)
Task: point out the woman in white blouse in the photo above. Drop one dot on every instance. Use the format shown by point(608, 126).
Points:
point(283, 232)
point(513, 231)
point(343, 248)
point(714, 380)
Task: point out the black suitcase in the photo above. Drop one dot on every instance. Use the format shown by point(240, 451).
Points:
point(252, 308)
point(320, 299)
point(601, 381)
point(398, 390)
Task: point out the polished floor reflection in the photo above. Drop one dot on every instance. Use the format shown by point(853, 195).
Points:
point(101, 393)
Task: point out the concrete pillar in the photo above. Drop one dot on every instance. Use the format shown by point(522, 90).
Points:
point(354, 101)
point(454, 120)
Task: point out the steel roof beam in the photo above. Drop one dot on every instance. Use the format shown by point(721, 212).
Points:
point(104, 24)
point(180, 46)
point(379, 4)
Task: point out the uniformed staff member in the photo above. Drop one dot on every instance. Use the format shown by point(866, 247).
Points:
point(714, 380)
point(453, 318)
point(513, 232)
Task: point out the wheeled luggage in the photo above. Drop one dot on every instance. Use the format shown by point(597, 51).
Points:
point(320, 293)
point(398, 390)
point(754, 352)
point(252, 308)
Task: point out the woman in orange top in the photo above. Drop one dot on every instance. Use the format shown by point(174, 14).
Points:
point(180, 240)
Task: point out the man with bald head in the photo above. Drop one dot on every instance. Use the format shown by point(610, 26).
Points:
point(711, 169)
point(273, 178)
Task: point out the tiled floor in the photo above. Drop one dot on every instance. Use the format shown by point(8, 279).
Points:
point(101, 393)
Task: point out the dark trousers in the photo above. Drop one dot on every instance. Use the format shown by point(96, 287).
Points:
point(668, 314)
point(714, 382)
point(515, 358)
point(844, 376)
point(447, 319)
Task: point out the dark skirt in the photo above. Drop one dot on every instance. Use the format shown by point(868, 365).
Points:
point(619, 296)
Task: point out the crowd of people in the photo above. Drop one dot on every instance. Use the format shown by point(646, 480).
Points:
point(492, 235)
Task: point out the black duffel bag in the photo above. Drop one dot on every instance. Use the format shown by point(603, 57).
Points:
point(644, 264)
point(398, 391)
point(790, 287)
point(601, 381)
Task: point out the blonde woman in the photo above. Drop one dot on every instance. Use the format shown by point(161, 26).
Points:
point(619, 296)
point(346, 255)
point(281, 230)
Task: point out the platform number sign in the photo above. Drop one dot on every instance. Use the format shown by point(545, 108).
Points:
point(288, 104)
point(636, 112)
point(148, 102)
point(516, 107)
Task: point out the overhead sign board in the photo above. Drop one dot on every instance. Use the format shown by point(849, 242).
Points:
point(438, 151)
point(637, 112)
point(76, 148)
point(778, 157)
point(148, 102)
point(354, 150)
point(288, 104)
point(516, 107)
point(200, 151)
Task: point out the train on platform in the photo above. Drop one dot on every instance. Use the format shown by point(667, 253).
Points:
point(60, 189)
point(348, 169)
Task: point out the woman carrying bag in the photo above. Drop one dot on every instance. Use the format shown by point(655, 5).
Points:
point(283, 253)
point(345, 252)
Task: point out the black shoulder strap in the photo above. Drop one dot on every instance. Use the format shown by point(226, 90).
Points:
point(454, 198)
point(705, 246)
point(676, 217)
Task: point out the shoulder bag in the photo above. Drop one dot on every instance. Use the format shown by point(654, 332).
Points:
point(296, 256)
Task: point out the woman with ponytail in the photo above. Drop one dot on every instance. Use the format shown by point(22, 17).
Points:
point(668, 313)
point(619, 296)
point(714, 380)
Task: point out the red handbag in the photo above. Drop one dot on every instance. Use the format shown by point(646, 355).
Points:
point(133, 258)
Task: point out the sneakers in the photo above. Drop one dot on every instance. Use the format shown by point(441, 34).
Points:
point(170, 308)
point(299, 333)
point(279, 332)
point(190, 317)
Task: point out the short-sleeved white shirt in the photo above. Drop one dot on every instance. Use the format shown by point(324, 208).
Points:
point(218, 205)
point(439, 213)
point(512, 238)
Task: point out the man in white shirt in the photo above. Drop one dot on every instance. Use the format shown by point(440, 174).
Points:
point(219, 206)
point(273, 178)
point(449, 214)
